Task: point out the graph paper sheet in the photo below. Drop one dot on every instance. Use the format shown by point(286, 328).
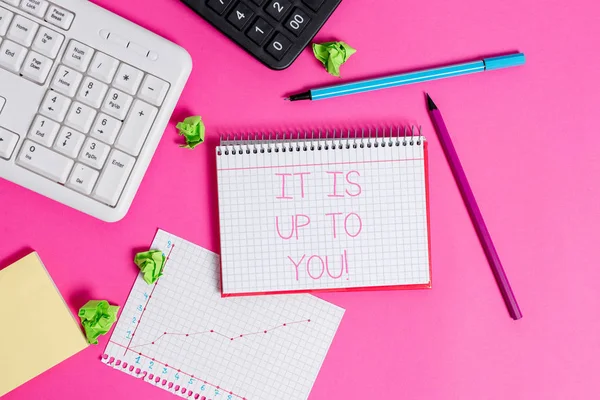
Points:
point(182, 336)
point(306, 220)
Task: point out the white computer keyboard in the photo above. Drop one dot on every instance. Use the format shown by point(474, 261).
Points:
point(85, 96)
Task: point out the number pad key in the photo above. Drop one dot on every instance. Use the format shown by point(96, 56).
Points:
point(117, 104)
point(55, 106)
point(45, 162)
point(219, 5)
point(43, 130)
point(114, 177)
point(278, 8)
point(92, 92)
point(106, 128)
point(78, 55)
point(66, 81)
point(80, 117)
point(297, 22)
point(136, 128)
point(259, 31)
point(314, 4)
point(278, 46)
point(153, 90)
point(69, 142)
point(103, 67)
point(128, 79)
point(94, 153)
point(83, 179)
point(240, 15)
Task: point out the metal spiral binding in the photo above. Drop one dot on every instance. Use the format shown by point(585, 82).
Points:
point(311, 140)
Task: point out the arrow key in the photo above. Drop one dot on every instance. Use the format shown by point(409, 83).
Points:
point(106, 128)
point(69, 142)
point(8, 141)
point(55, 106)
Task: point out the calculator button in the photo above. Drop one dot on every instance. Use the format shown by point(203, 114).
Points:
point(59, 17)
point(240, 15)
point(22, 30)
point(113, 178)
point(8, 141)
point(78, 56)
point(43, 130)
point(259, 2)
point(55, 106)
point(92, 92)
point(94, 153)
point(80, 117)
point(66, 81)
point(82, 179)
point(69, 142)
point(278, 46)
point(103, 67)
point(278, 8)
point(36, 67)
point(35, 7)
point(128, 79)
point(219, 5)
point(47, 42)
point(297, 22)
point(313, 4)
point(117, 104)
point(12, 55)
point(45, 162)
point(106, 128)
point(136, 128)
point(5, 18)
point(153, 90)
point(259, 31)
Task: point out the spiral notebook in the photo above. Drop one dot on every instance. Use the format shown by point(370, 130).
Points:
point(311, 211)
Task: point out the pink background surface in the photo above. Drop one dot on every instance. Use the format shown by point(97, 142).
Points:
point(527, 137)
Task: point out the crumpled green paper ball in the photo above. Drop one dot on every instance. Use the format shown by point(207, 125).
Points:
point(97, 317)
point(151, 264)
point(193, 129)
point(333, 55)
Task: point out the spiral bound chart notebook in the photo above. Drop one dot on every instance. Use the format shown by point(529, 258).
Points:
point(301, 214)
point(180, 335)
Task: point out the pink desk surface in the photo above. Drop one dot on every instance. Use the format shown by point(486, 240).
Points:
point(528, 139)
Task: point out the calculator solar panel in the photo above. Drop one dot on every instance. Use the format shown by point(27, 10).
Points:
point(273, 31)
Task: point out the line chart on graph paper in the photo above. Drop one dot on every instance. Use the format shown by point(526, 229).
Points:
point(182, 336)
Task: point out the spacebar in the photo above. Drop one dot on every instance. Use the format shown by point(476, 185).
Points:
point(45, 162)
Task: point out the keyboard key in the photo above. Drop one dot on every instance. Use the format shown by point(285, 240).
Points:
point(47, 42)
point(35, 7)
point(69, 142)
point(219, 5)
point(278, 46)
point(8, 141)
point(12, 2)
point(36, 67)
point(45, 162)
point(259, 31)
point(278, 8)
point(43, 130)
point(136, 127)
point(297, 22)
point(5, 18)
point(22, 30)
point(128, 79)
point(113, 178)
point(106, 128)
point(153, 90)
point(80, 117)
point(78, 56)
point(258, 2)
point(103, 67)
point(314, 4)
point(55, 106)
point(12, 55)
point(240, 15)
point(92, 92)
point(94, 153)
point(66, 81)
point(82, 179)
point(60, 17)
point(117, 104)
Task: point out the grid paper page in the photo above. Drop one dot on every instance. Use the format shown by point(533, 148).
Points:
point(181, 335)
point(303, 219)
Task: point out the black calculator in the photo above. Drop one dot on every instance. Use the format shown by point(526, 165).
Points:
point(273, 31)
